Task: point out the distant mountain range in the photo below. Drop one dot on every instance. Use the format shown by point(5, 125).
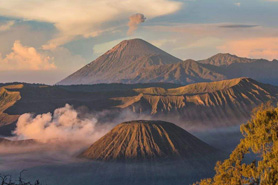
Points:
point(137, 61)
point(207, 104)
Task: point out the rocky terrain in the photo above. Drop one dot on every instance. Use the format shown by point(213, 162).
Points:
point(147, 140)
point(208, 104)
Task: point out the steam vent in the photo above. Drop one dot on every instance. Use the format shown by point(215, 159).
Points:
point(146, 140)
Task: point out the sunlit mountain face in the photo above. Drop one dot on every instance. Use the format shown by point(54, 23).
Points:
point(137, 61)
point(110, 92)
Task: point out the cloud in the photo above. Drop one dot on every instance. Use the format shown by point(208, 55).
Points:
point(84, 18)
point(238, 26)
point(7, 25)
point(65, 125)
point(199, 41)
point(238, 4)
point(264, 47)
point(25, 58)
point(134, 21)
point(65, 64)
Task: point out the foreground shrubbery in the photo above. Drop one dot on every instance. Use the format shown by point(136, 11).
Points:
point(261, 138)
point(7, 180)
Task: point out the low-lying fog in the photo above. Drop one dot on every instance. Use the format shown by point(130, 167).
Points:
point(61, 136)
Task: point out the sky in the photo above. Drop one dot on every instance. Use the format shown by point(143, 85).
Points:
point(43, 41)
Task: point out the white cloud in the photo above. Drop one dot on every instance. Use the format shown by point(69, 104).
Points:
point(25, 58)
point(64, 124)
point(6, 26)
point(85, 18)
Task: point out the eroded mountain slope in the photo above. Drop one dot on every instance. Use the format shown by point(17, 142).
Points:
point(147, 140)
point(206, 102)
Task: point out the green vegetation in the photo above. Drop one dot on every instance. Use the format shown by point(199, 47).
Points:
point(260, 138)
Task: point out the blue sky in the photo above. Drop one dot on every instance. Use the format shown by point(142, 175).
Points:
point(44, 41)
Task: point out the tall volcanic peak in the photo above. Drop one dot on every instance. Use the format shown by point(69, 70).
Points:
point(120, 63)
point(136, 47)
point(146, 140)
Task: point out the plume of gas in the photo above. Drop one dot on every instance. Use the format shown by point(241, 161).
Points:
point(64, 125)
point(134, 21)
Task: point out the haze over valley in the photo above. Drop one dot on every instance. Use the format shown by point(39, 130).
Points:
point(150, 92)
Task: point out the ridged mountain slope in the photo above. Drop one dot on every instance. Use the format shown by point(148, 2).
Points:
point(206, 102)
point(232, 66)
point(137, 61)
point(121, 63)
point(8, 97)
point(185, 72)
point(147, 140)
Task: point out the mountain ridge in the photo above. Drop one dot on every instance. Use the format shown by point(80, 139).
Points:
point(210, 104)
point(137, 61)
point(223, 100)
point(185, 72)
point(225, 59)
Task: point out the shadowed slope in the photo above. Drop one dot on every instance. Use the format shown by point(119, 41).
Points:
point(225, 59)
point(185, 72)
point(137, 61)
point(147, 140)
point(211, 103)
point(121, 63)
point(232, 66)
point(207, 104)
point(197, 88)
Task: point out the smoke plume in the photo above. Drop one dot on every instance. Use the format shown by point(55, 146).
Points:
point(134, 21)
point(65, 124)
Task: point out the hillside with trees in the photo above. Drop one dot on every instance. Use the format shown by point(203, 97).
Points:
point(259, 146)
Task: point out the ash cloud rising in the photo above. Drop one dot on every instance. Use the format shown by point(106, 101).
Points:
point(134, 21)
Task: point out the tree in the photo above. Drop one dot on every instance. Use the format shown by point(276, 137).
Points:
point(7, 180)
point(260, 138)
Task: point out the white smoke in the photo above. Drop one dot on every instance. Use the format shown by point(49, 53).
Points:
point(134, 21)
point(65, 124)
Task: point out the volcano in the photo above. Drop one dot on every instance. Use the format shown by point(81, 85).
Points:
point(137, 61)
point(147, 140)
point(121, 63)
